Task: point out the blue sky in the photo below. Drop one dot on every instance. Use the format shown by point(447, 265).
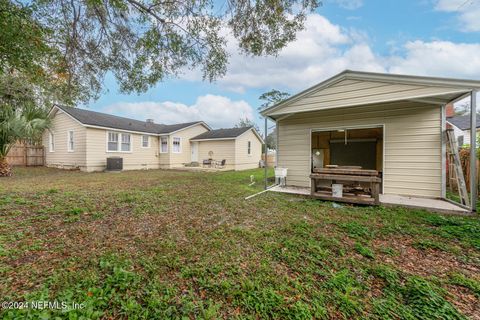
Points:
point(423, 37)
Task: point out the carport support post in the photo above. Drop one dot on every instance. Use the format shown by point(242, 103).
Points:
point(265, 152)
point(473, 150)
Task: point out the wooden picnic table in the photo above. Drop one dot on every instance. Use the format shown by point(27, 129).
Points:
point(347, 176)
point(346, 171)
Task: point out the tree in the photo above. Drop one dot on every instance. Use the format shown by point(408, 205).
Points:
point(271, 98)
point(21, 117)
point(143, 42)
point(26, 52)
point(30, 78)
point(23, 47)
point(247, 123)
point(271, 140)
point(62, 50)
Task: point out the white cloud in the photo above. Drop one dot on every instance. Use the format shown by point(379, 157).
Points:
point(349, 4)
point(468, 12)
point(216, 111)
point(438, 58)
point(321, 50)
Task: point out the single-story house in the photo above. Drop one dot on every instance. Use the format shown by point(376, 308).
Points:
point(84, 139)
point(231, 144)
point(461, 128)
point(392, 123)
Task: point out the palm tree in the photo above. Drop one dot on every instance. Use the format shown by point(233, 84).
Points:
point(22, 117)
point(19, 125)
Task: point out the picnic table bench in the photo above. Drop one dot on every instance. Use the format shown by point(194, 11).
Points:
point(360, 186)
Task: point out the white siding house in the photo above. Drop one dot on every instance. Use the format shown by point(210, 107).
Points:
point(84, 139)
point(461, 128)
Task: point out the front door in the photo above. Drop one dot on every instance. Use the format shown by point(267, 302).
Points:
point(194, 151)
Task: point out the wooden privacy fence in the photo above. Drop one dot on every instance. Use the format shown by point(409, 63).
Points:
point(464, 154)
point(465, 160)
point(270, 159)
point(26, 155)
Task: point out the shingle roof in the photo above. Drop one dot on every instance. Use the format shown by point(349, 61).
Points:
point(222, 133)
point(99, 119)
point(462, 122)
point(168, 128)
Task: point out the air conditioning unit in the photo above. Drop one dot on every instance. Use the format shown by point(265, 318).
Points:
point(114, 164)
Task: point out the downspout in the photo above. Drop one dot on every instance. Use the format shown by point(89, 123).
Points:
point(266, 153)
point(276, 143)
point(444, 151)
point(473, 150)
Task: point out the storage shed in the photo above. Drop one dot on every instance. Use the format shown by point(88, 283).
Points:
point(394, 124)
point(240, 148)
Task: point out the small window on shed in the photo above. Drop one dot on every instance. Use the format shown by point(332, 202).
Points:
point(249, 147)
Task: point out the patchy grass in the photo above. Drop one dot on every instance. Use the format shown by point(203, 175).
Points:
point(167, 244)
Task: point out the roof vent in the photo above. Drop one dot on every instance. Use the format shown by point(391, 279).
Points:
point(150, 121)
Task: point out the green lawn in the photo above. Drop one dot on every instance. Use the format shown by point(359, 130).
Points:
point(167, 244)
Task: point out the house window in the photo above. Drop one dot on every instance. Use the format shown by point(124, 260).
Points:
point(119, 142)
point(51, 142)
point(249, 147)
point(126, 142)
point(113, 141)
point(145, 141)
point(70, 141)
point(176, 145)
point(460, 141)
point(163, 144)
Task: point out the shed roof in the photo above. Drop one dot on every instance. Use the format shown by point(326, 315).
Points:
point(353, 88)
point(226, 133)
point(99, 119)
point(462, 122)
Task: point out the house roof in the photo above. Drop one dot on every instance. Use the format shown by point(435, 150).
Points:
point(98, 119)
point(462, 122)
point(228, 133)
point(362, 88)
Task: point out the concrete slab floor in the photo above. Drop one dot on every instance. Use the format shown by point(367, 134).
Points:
point(433, 205)
point(201, 169)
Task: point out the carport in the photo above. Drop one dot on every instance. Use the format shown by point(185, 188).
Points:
point(403, 137)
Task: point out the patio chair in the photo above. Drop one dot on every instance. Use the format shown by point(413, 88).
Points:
point(221, 164)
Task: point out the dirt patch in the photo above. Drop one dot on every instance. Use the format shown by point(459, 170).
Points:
point(465, 301)
point(434, 263)
point(424, 262)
